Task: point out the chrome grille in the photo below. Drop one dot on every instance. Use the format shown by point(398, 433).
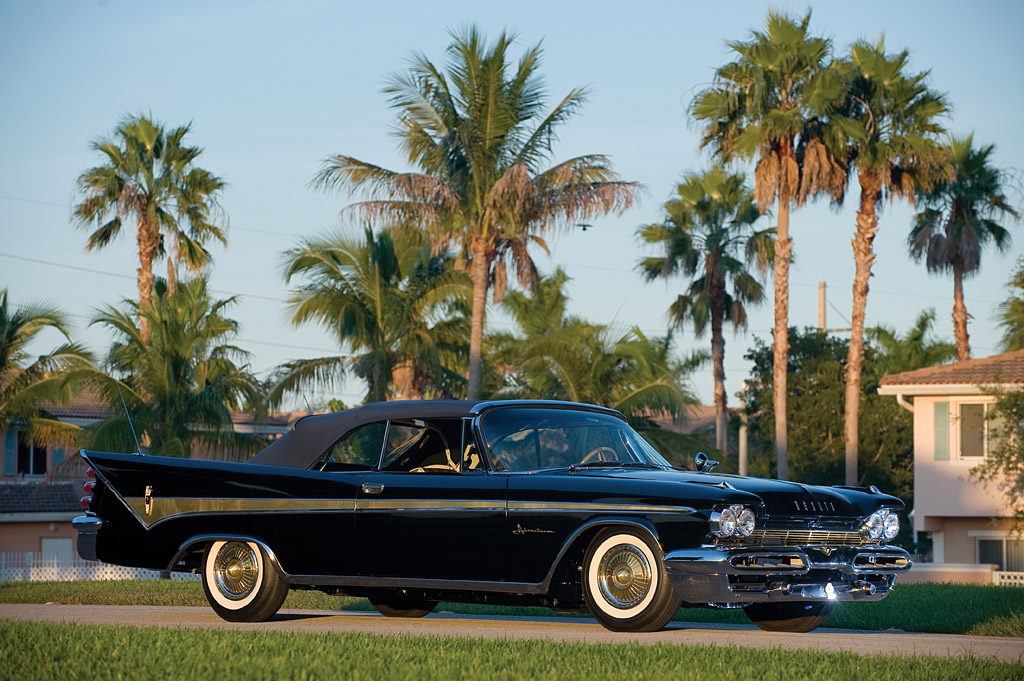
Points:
point(801, 538)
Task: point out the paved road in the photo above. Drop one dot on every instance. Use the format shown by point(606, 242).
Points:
point(551, 628)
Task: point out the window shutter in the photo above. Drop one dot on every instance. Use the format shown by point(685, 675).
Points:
point(941, 431)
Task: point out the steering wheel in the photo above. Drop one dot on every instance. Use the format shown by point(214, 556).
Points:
point(597, 454)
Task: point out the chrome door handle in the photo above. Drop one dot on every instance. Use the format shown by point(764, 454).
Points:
point(372, 488)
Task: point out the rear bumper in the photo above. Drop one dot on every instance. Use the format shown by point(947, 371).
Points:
point(751, 575)
point(88, 526)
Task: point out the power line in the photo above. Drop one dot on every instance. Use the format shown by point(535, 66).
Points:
point(118, 275)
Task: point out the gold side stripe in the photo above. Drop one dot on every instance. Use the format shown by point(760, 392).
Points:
point(162, 508)
point(584, 507)
point(428, 505)
point(166, 507)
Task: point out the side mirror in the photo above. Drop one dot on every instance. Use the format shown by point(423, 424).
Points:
point(703, 463)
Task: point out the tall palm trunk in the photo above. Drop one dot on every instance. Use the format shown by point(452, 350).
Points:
point(478, 272)
point(718, 363)
point(148, 239)
point(864, 259)
point(783, 248)
point(963, 345)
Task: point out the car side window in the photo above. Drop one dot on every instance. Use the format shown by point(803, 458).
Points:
point(416, 447)
point(472, 462)
point(359, 450)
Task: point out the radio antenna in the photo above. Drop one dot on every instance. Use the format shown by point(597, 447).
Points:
point(308, 408)
point(130, 424)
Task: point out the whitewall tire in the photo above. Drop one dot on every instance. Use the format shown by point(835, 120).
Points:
point(240, 582)
point(625, 584)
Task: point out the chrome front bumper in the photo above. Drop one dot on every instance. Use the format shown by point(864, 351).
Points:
point(749, 575)
point(87, 526)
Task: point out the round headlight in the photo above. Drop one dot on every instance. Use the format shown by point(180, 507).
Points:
point(874, 526)
point(727, 522)
point(891, 525)
point(745, 522)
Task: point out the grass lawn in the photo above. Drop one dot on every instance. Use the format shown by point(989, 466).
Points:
point(45, 651)
point(935, 608)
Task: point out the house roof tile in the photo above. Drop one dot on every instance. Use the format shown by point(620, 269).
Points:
point(1007, 368)
point(32, 497)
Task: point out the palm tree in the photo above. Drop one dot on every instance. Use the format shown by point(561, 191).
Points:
point(708, 235)
point(959, 219)
point(149, 175)
point(28, 381)
point(768, 104)
point(561, 357)
point(182, 384)
point(915, 349)
point(478, 134)
point(1011, 312)
point(894, 148)
point(399, 310)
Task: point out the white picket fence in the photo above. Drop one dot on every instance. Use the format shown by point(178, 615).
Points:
point(34, 567)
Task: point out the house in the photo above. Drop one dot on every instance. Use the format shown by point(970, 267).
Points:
point(39, 497)
point(954, 429)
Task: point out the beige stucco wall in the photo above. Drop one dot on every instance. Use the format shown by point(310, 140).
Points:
point(965, 573)
point(944, 489)
point(28, 536)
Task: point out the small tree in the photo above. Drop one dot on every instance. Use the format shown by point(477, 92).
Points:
point(150, 175)
point(182, 384)
point(961, 217)
point(708, 235)
point(1011, 311)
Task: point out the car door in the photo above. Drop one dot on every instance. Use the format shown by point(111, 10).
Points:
point(431, 511)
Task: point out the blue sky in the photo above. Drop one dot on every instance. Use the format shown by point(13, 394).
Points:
point(272, 88)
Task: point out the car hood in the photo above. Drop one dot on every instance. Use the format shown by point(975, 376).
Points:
point(781, 498)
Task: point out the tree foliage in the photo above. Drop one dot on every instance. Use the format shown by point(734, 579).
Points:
point(398, 312)
point(149, 175)
point(708, 235)
point(479, 135)
point(959, 218)
point(1010, 312)
point(27, 383)
point(182, 384)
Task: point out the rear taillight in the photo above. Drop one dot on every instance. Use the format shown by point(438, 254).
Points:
point(90, 473)
point(86, 502)
point(89, 486)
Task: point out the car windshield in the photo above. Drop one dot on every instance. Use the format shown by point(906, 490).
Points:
point(523, 439)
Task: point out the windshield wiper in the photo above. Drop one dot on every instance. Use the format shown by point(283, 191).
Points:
point(612, 464)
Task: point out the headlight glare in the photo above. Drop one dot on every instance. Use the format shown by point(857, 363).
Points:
point(890, 525)
point(874, 526)
point(745, 522)
point(727, 522)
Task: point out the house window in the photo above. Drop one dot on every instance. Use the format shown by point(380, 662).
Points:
point(1008, 554)
point(976, 430)
point(31, 459)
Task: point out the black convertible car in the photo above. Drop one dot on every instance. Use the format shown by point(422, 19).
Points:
point(536, 503)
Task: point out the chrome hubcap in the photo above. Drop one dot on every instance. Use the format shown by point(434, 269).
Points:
point(236, 570)
point(624, 576)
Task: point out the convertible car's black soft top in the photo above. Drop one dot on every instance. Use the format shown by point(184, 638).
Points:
point(306, 441)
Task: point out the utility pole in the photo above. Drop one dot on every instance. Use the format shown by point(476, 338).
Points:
point(821, 307)
point(822, 303)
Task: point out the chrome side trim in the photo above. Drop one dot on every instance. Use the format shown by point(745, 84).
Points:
point(586, 507)
point(87, 524)
point(164, 508)
point(429, 584)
